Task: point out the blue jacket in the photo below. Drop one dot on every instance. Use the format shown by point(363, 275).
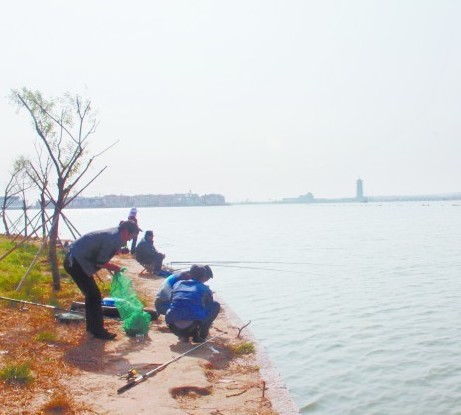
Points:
point(190, 300)
point(164, 293)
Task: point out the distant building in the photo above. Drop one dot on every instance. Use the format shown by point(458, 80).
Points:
point(307, 198)
point(213, 199)
point(12, 202)
point(360, 197)
point(178, 199)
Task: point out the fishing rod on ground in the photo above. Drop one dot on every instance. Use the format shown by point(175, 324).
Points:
point(142, 378)
point(51, 307)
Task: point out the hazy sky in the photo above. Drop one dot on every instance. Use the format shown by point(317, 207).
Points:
point(251, 99)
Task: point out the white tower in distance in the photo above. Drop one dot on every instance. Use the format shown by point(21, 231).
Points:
point(359, 193)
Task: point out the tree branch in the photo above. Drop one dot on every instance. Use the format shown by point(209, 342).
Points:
point(83, 188)
point(38, 130)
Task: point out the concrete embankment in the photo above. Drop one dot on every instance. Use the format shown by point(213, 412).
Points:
point(214, 379)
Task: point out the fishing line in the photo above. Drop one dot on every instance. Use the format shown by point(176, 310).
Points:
point(254, 268)
point(255, 262)
point(264, 269)
point(162, 242)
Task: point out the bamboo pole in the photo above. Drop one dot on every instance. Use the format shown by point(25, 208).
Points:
point(34, 261)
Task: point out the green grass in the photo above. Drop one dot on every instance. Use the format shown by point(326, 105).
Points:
point(242, 348)
point(38, 285)
point(15, 265)
point(16, 373)
point(46, 337)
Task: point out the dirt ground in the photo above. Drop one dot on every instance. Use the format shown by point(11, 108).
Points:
point(84, 374)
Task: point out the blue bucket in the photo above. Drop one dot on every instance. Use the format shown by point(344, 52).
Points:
point(108, 301)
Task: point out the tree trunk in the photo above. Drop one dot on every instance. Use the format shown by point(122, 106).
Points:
point(24, 209)
point(52, 254)
point(5, 223)
point(43, 216)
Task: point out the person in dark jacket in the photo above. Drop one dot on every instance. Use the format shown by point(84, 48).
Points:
point(147, 255)
point(192, 310)
point(85, 257)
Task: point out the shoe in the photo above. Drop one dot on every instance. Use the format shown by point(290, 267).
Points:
point(183, 339)
point(198, 339)
point(104, 335)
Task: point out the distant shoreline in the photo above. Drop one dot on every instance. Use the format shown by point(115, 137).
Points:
point(371, 199)
point(219, 200)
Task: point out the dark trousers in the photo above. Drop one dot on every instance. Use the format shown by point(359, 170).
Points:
point(205, 325)
point(191, 331)
point(154, 264)
point(158, 261)
point(199, 328)
point(89, 288)
point(161, 306)
point(133, 245)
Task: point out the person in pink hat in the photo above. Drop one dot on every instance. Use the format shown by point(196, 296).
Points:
point(132, 217)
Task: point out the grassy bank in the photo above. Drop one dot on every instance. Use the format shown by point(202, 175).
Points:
point(38, 284)
point(33, 346)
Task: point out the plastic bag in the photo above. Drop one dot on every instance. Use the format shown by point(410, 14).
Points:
point(135, 320)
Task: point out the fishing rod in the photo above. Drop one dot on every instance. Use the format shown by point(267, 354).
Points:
point(52, 307)
point(254, 262)
point(247, 267)
point(152, 372)
point(230, 266)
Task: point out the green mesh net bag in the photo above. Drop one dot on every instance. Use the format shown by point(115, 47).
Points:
point(135, 320)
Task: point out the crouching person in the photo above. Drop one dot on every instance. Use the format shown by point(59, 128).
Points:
point(192, 309)
point(163, 296)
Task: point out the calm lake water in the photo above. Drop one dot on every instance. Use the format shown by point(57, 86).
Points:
point(357, 305)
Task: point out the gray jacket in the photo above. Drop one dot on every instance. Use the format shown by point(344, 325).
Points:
point(96, 248)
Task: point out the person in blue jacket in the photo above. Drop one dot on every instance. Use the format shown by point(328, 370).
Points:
point(192, 310)
point(163, 296)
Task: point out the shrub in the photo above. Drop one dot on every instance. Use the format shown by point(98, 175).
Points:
point(59, 404)
point(16, 373)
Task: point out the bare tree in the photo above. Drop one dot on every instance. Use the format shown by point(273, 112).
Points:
point(64, 126)
point(39, 171)
point(12, 190)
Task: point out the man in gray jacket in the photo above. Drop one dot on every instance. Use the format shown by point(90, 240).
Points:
point(86, 256)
